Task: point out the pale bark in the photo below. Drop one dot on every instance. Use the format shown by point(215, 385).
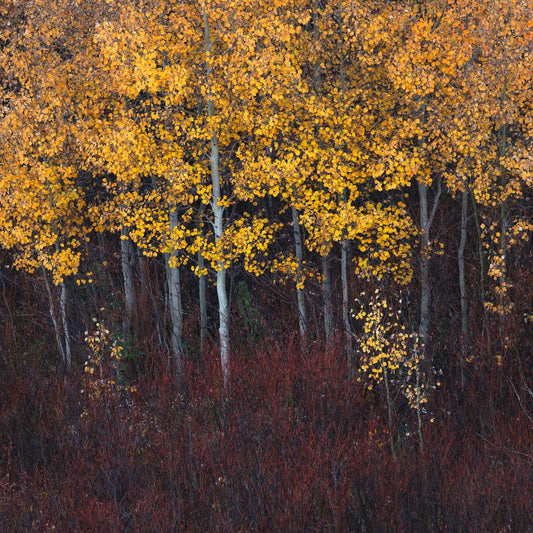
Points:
point(223, 329)
point(144, 289)
point(127, 256)
point(55, 323)
point(326, 294)
point(462, 283)
point(64, 323)
point(503, 217)
point(426, 220)
point(344, 243)
point(326, 274)
point(298, 244)
point(174, 296)
point(64, 350)
point(481, 257)
point(61, 333)
point(425, 289)
point(202, 294)
point(345, 301)
point(143, 281)
point(218, 222)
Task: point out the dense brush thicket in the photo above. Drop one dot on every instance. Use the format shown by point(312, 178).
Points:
point(297, 442)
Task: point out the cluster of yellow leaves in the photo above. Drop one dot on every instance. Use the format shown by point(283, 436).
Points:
point(102, 367)
point(43, 214)
point(333, 108)
point(248, 239)
point(390, 355)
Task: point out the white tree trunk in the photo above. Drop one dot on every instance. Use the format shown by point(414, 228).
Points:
point(425, 289)
point(64, 323)
point(218, 221)
point(126, 249)
point(344, 244)
point(202, 291)
point(176, 310)
point(326, 295)
point(64, 350)
point(426, 220)
point(298, 244)
point(345, 300)
point(202, 294)
point(503, 216)
point(462, 283)
point(61, 333)
point(223, 306)
point(52, 310)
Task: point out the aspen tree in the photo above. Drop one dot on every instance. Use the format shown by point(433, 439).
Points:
point(218, 209)
point(350, 153)
point(122, 145)
point(421, 69)
point(299, 247)
point(503, 89)
point(42, 215)
point(181, 118)
point(489, 163)
point(325, 259)
point(344, 242)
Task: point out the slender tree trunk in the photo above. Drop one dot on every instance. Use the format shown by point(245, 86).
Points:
point(326, 294)
point(345, 301)
point(298, 243)
point(503, 221)
point(426, 220)
point(218, 222)
point(10, 315)
point(481, 257)
point(176, 309)
point(344, 243)
point(425, 289)
point(64, 324)
point(223, 329)
point(65, 350)
point(202, 292)
point(223, 305)
point(127, 257)
point(326, 275)
point(144, 289)
point(55, 323)
point(462, 284)
point(142, 271)
point(62, 346)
